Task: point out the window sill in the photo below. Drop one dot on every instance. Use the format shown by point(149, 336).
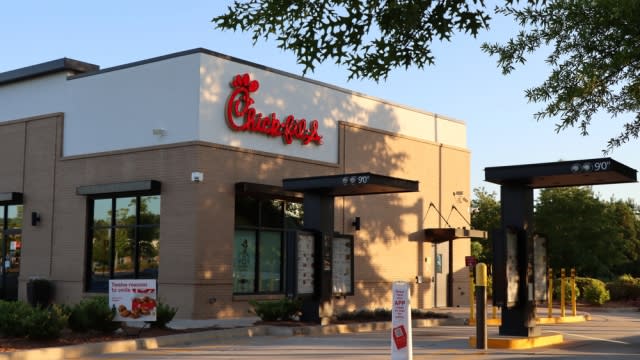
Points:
point(259, 297)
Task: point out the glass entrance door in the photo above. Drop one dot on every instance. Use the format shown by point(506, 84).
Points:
point(10, 250)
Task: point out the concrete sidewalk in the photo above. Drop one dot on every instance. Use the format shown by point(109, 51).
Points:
point(227, 328)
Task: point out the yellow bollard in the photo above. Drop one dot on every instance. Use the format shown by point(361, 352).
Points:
point(562, 276)
point(574, 309)
point(550, 293)
point(472, 296)
point(481, 293)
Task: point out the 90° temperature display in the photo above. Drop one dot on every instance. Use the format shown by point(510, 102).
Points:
point(591, 166)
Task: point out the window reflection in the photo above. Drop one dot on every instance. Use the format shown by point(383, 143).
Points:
point(102, 212)
point(270, 261)
point(14, 216)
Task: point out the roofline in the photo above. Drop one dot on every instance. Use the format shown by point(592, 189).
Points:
point(46, 68)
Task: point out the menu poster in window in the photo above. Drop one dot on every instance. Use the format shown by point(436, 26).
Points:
point(133, 300)
point(342, 263)
point(540, 267)
point(513, 275)
point(305, 265)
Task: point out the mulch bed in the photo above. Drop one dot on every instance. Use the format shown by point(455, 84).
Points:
point(70, 338)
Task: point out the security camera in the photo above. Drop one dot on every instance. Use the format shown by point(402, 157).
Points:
point(197, 176)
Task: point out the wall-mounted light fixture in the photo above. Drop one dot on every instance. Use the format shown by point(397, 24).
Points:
point(459, 195)
point(159, 131)
point(356, 223)
point(35, 218)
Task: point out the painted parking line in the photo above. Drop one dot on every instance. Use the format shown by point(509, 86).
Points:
point(591, 338)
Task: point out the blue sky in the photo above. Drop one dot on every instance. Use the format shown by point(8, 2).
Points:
point(464, 84)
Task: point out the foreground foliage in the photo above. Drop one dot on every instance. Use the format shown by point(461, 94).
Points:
point(19, 319)
point(276, 310)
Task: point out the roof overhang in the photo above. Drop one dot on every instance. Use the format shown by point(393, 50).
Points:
point(46, 68)
point(562, 173)
point(10, 198)
point(123, 187)
point(350, 184)
point(439, 235)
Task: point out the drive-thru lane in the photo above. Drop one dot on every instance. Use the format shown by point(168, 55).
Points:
point(609, 335)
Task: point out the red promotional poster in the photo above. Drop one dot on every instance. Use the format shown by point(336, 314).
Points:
point(133, 299)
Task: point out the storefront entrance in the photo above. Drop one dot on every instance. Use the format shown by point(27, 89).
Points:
point(10, 248)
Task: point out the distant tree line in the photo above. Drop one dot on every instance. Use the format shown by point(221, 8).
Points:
point(599, 238)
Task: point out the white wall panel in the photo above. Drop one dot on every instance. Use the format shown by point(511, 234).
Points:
point(186, 96)
point(43, 95)
point(119, 109)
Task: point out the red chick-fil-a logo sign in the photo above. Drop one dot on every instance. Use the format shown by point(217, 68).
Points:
point(241, 116)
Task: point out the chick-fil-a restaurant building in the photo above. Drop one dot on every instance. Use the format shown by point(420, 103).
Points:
point(226, 181)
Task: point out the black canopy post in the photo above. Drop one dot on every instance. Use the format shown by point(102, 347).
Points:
point(514, 283)
point(319, 193)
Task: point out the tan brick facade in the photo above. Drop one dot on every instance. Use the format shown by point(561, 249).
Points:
point(197, 218)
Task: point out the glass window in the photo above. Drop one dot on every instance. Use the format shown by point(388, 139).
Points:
point(293, 214)
point(102, 212)
point(270, 261)
point(244, 256)
point(258, 255)
point(126, 211)
point(10, 250)
point(124, 239)
point(14, 216)
point(271, 211)
point(246, 211)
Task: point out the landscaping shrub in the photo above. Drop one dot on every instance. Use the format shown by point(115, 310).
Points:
point(276, 310)
point(164, 315)
point(624, 288)
point(385, 315)
point(45, 323)
point(93, 314)
point(12, 318)
point(19, 319)
point(595, 293)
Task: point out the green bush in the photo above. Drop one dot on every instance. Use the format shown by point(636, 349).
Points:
point(625, 287)
point(385, 315)
point(596, 293)
point(12, 318)
point(45, 323)
point(164, 315)
point(93, 314)
point(276, 310)
point(19, 319)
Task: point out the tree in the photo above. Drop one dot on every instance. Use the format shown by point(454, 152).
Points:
point(485, 215)
point(594, 236)
point(595, 60)
point(595, 44)
point(370, 37)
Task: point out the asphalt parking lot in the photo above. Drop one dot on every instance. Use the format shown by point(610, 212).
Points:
point(608, 335)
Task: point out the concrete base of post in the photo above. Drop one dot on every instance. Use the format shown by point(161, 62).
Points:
point(506, 342)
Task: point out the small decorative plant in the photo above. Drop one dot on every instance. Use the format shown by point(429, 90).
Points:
point(276, 310)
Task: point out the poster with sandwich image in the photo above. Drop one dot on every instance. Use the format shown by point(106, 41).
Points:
point(133, 299)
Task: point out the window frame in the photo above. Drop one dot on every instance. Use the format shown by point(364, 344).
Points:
point(98, 287)
point(265, 193)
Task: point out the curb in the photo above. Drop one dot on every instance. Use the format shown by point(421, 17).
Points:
point(110, 347)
